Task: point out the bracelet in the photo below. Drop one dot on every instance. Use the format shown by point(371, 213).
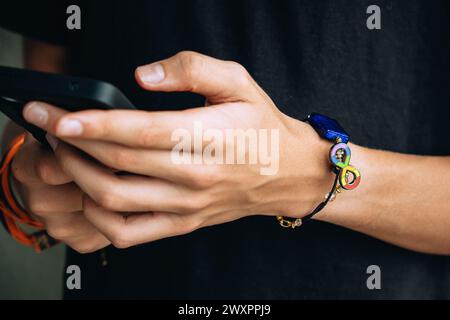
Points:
point(329, 197)
point(11, 212)
point(340, 155)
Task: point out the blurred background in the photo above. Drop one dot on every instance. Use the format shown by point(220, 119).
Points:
point(25, 274)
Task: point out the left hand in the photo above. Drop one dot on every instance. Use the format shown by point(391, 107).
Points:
point(163, 198)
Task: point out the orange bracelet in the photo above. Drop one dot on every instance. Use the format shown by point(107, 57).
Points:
point(12, 213)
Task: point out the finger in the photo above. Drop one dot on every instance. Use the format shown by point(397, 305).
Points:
point(124, 232)
point(43, 115)
point(153, 163)
point(69, 225)
point(33, 165)
point(50, 200)
point(219, 81)
point(76, 231)
point(161, 130)
point(88, 244)
point(123, 193)
point(142, 129)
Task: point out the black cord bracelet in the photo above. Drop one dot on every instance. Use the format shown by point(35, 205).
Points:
point(300, 221)
point(347, 176)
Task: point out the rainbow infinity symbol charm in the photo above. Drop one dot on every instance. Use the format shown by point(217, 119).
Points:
point(340, 155)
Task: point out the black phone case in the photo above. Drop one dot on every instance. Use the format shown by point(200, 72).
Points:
point(17, 87)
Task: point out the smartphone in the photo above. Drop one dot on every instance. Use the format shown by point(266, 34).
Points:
point(18, 87)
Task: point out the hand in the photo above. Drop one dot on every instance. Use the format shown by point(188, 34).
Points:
point(164, 198)
point(53, 198)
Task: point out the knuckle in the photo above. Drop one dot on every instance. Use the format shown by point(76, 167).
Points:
point(147, 136)
point(60, 232)
point(45, 172)
point(122, 159)
point(120, 240)
point(205, 178)
point(36, 204)
point(120, 237)
point(86, 247)
point(109, 199)
point(238, 68)
point(191, 64)
point(188, 58)
point(103, 124)
point(242, 76)
point(196, 203)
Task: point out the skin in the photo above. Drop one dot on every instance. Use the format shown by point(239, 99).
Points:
point(88, 206)
point(47, 192)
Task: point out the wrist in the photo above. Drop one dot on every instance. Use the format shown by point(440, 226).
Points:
point(310, 173)
point(316, 159)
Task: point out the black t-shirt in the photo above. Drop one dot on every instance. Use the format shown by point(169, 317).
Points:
point(389, 88)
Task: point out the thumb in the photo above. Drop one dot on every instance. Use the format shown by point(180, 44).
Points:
point(217, 80)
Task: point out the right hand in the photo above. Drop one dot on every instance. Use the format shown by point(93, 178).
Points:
point(52, 198)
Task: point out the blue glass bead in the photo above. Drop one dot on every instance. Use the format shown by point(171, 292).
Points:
point(328, 128)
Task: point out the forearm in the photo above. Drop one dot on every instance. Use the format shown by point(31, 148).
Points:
point(402, 199)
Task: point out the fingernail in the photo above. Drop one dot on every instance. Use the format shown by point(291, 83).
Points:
point(36, 114)
point(70, 128)
point(152, 74)
point(52, 141)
